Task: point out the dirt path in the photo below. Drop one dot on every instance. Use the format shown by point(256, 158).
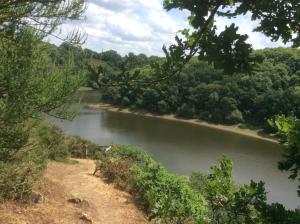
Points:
point(106, 205)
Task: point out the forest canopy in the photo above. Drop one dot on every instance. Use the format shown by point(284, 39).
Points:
point(200, 91)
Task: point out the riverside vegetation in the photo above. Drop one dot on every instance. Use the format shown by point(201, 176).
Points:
point(200, 90)
point(165, 197)
point(34, 82)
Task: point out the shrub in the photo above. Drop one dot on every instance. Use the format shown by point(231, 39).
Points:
point(124, 152)
point(163, 107)
point(125, 101)
point(226, 202)
point(17, 177)
point(167, 198)
point(234, 117)
point(52, 138)
point(211, 198)
point(115, 164)
point(187, 111)
point(117, 172)
point(26, 166)
point(83, 149)
point(198, 181)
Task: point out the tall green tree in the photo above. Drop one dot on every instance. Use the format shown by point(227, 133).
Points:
point(30, 84)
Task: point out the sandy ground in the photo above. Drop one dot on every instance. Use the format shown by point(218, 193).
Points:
point(231, 128)
point(106, 205)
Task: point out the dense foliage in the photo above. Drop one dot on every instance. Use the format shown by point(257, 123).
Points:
point(226, 49)
point(18, 177)
point(200, 91)
point(202, 198)
point(228, 203)
point(30, 85)
point(229, 51)
point(204, 92)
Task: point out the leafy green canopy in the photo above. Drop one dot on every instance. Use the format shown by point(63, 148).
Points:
point(200, 91)
point(228, 49)
point(30, 84)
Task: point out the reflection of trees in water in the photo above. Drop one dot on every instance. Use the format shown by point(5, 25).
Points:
point(185, 135)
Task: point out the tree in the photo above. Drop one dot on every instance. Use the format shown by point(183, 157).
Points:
point(205, 92)
point(112, 58)
point(31, 84)
point(135, 61)
point(228, 49)
point(229, 203)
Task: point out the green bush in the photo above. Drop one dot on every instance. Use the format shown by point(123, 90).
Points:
point(163, 107)
point(186, 111)
point(53, 139)
point(25, 167)
point(234, 117)
point(17, 177)
point(125, 101)
point(228, 203)
point(167, 198)
point(232, 204)
point(134, 154)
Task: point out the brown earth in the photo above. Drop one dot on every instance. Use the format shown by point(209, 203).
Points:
point(106, 204)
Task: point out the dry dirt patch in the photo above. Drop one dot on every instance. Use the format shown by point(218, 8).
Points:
point(106, 205)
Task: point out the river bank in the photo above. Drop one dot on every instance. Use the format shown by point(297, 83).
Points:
point(259, 134)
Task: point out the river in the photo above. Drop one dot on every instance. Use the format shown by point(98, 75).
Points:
point(183, 148)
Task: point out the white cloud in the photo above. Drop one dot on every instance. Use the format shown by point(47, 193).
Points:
point(126, 26)
point(142, 26)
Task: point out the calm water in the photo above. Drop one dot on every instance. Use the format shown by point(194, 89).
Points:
point(184, 148)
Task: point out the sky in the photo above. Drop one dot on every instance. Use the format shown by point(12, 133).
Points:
point(142, 26)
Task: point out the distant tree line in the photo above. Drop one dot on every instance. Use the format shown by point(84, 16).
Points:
point(84, 58)
point(200, 91)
